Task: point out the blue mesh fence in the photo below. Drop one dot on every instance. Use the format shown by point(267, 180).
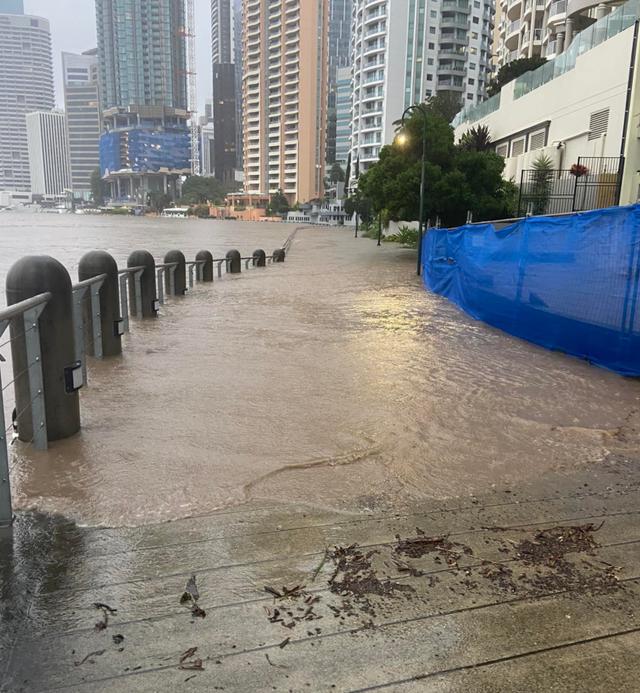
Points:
point(568, 283)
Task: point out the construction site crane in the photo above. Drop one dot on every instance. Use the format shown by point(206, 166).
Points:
point(190, 36)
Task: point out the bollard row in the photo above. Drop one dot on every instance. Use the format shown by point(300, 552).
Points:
point(91, 317)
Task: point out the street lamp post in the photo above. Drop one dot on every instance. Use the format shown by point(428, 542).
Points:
point(422, 109)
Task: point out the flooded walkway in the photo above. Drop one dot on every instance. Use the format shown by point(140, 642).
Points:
point(334, 380)
point(367, 491)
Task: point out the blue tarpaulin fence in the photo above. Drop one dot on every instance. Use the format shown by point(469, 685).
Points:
point(568, 283)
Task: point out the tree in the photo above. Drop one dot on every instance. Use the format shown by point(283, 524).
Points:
point(477, 139)
point(158, 201)
point(198, 190)
point(336, 175)
point(278, 205)
point(457, 179)
point(446, 104)
point(98, 188)
point(360, 204)
point(511, 70)
point(537, 190)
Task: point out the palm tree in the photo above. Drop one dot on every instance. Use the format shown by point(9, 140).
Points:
point(477, 139)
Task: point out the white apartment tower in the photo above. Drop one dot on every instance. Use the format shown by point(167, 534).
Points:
point(407, 50)
point(48, 153)
point(531, 28)
point(284, 95)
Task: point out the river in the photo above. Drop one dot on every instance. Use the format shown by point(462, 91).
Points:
point(332, 380)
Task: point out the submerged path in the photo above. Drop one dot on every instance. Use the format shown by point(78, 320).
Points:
point(372, 491)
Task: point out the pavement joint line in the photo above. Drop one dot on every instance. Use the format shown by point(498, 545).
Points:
point(499, 660)
point(390, 624)
point(318, 590)
point(228, 566)
point(368, 518)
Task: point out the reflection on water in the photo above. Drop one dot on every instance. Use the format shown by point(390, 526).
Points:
point(333, 380)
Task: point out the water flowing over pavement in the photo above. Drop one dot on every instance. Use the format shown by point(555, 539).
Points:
point(333, 380)
point(369, 491)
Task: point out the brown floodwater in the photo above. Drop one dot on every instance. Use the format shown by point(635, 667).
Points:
point(333, 379)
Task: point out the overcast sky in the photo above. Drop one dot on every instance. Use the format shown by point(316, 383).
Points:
point(73, 29)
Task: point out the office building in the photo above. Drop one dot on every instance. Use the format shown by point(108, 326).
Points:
point(48, 153)
point(82, 110)
point(227, 81)
point(340, 12)
point(404, 52)
point(285, 96)
point(142, 62)
point(26, 85)
point(207, 142)
point(11, 7)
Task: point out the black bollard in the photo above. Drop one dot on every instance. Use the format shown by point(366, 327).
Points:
point(206, 270)
point(259, 258)
point(279, 255)
point(180, 274)
point(30, 276)
point(148, 295)
point(91, 265)
point(234, 262)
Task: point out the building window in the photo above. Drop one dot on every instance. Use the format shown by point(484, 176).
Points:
point(476, 20)
point(536, 140)
point(432, 30)
point(598, 124)
point(517, 147)
point(432, 46)
point(502, 150)
point(429, 78)
point(429, 61)
point(471, 80)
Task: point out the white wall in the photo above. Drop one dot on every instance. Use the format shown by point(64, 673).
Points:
point(598, 81)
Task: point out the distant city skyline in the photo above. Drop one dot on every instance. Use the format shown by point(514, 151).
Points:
point(73, 29)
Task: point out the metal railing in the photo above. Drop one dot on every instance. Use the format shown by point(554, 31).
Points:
point(79, 292)
point(87, 322)
point(24, 317)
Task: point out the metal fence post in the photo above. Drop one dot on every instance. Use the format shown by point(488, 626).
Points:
point(78, 328)
point(36, 383)
point(6, 512)
point(124, 301)
point(96, 320)
point(191, 266)
point(160, 277)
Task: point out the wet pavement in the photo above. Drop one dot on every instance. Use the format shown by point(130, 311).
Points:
point(534, 589)
point(372, 492)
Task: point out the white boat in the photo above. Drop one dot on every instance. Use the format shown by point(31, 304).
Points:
point(175, 212)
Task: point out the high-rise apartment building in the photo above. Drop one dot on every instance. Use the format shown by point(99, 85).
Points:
point(531, 28)
point(407, 50)
point(343, 115)
point(227, 79)
point(340, 12)
point(82, 110)
point(142, 62)
point(285, 67)
point(26, 85)
point(48, 153)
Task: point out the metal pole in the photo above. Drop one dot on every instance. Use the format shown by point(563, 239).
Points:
point(124, 301)
point(379, 228)
point(422, 185)
point(357, 218)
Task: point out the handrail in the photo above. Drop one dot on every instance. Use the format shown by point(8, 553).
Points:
point(163, 265)
point(131, 270)
point(16, 309)
point(89, 282)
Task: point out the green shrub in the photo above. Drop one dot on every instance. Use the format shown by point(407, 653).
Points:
point(406, 236)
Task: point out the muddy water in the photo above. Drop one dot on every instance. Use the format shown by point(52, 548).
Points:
point(332, 380)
